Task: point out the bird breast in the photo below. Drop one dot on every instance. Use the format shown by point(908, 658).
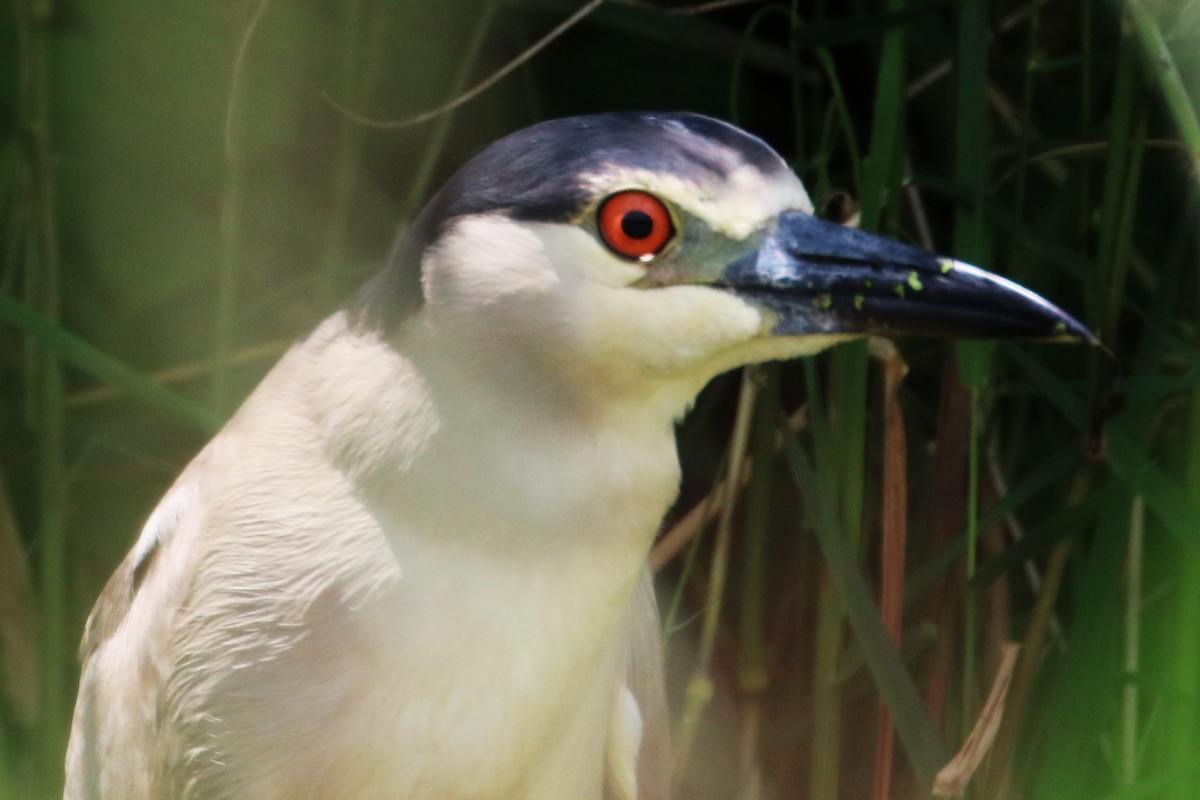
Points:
point(463, 599)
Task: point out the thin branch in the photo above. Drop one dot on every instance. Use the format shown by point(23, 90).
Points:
point(944, 68)
point(477, 89)
point(239, 71)
point(1089, 148)
point(686, 11)
point(230, 221)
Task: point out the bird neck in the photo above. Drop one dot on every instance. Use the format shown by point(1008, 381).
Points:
point(483, 454)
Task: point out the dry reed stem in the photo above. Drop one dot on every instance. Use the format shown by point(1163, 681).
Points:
point(18, 613)
point(895, 536)
point(710, 506)
point(948, 513)
point(953, 778)
point(191, 370)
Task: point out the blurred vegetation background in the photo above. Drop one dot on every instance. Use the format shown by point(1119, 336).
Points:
point(186, 187)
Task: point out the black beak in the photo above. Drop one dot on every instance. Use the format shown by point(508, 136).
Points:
point(822, 278)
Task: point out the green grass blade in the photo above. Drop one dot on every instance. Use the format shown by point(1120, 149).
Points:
point(79, 353)
point(924, 748)
point(971, 244)
point(1163, 72)
point(1184, 662)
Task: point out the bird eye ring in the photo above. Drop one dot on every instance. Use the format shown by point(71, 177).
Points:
point(635, 225)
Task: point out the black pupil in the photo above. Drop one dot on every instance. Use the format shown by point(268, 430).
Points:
point(637, 224)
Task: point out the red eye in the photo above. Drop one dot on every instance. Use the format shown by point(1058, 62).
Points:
point(635, 225)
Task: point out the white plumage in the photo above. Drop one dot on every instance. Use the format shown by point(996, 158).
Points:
point(412, 566)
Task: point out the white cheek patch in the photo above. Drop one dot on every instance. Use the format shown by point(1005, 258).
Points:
point(482, 259)
point(577, 252)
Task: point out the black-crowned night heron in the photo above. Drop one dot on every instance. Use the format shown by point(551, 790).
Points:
point(413, 563)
